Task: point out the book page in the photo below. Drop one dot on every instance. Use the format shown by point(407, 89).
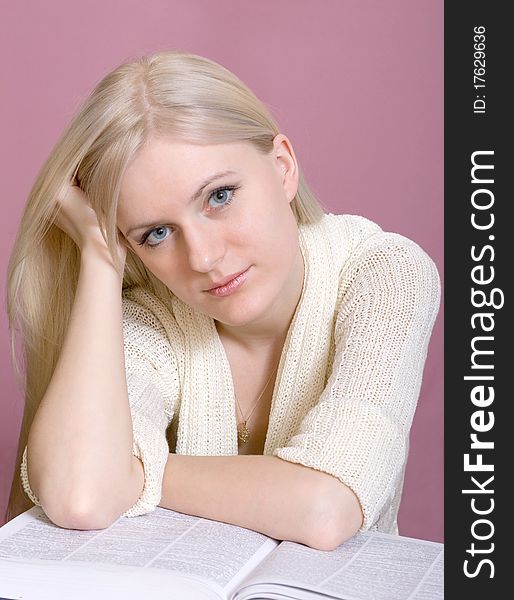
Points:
point(368, 566)
point(164, 541)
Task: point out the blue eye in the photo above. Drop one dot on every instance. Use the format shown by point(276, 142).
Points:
point(158, 234)
point(222, 196)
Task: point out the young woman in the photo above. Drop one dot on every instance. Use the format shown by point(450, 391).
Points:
point(198, 333)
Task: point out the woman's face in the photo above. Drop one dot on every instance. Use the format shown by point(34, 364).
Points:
point(197, 214)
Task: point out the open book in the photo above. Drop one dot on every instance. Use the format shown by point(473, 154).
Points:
point(169, 555)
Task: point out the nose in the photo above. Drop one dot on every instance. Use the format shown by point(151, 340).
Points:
point(204, 248)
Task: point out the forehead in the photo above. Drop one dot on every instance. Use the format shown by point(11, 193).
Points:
point(164, 162)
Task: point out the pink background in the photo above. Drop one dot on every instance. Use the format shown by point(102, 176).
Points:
point(357, 87)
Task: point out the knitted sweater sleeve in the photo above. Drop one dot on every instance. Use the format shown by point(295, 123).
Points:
point(153, 389)
point(359, 428)
point(152, 384)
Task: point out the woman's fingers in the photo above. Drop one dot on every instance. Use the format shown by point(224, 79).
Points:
point(77, 219)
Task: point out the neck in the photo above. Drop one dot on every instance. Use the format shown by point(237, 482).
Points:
point(271, 329)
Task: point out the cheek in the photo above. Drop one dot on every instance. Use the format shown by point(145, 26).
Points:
point(159, 266)
point(264, 214)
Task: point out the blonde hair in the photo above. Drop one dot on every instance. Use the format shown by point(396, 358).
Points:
point(168, 93)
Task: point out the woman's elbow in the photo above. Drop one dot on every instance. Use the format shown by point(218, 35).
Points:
point(80, 509)
point(78, 515)
point(338, 518)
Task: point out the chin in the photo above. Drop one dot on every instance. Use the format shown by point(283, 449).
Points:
point(240, 312)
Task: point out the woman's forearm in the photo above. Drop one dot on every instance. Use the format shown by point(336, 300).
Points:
point(80, 442)
point(282, 500)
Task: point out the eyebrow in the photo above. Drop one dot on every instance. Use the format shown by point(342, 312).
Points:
point(194, 197)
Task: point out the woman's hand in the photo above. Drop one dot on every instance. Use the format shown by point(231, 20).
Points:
point(77, 219)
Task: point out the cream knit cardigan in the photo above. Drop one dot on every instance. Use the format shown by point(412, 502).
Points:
point(348, 379)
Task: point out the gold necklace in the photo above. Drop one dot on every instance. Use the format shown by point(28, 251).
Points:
point(243, 433)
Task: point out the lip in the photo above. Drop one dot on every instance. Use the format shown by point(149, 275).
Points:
point(229, 284)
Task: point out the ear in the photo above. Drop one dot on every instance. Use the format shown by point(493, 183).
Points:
point(286, 164)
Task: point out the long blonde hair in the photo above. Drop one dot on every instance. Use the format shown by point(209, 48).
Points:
point(169, 93)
